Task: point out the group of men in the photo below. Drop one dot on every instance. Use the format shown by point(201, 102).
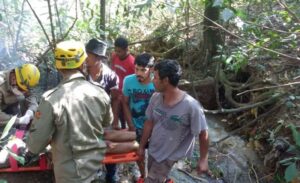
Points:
point(80, 117)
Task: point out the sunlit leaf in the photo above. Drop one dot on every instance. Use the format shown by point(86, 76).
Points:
point(290, 172)
point(290, 104)
point(228, 60)
point(292, 97)
point(3, 181)
point(241, 14)
point(8, 126)
point(226, 14)
point(143, 4)
point(217, 3)
point(296, 134)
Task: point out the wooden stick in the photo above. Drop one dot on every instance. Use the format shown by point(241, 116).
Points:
point(269, 87)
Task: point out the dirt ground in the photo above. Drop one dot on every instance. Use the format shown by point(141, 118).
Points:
point(27, 177)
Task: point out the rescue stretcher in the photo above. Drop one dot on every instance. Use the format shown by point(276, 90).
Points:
point(44, 163)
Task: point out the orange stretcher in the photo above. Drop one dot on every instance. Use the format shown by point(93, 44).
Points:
point(45, 164)
point(120, 158)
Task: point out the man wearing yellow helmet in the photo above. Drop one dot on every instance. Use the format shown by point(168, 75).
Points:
point(15, 97)
point(71, 118)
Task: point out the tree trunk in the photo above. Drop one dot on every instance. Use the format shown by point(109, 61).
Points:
point(102, 19)
point(212, 36)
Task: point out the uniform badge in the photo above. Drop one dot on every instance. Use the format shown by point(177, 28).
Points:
point(38, 114)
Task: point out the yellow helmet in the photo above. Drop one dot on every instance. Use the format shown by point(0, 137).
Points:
point(28, 75)
point(69, 55)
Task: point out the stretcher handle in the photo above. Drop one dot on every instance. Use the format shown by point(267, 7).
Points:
point(120, 158)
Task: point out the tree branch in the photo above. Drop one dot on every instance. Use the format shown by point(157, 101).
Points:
point(164, 35)
point(39, 21)
point(223, 111)
point(19, 27)
point(58, 17)
point(9, 24)
point(269, 87)
point(269, 28)
point(63, 37)
point(71, 27)
point(255, 45)
point(251, 122)
point(282, 4)
point(51, 24)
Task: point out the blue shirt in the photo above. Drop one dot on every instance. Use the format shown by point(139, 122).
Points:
point(139, 97)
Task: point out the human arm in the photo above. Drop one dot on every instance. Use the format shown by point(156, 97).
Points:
point(148, 126)
point(126, 94)
point(31, 103)
point(203, 148)
point(115, 103)
point(127, 113)
point(42, 128)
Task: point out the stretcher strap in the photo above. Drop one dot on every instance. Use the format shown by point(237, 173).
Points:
point(43, 162)
point(120, 158)
point(13, 163)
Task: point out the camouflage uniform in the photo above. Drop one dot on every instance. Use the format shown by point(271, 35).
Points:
point(10, 103)
point(71, 118)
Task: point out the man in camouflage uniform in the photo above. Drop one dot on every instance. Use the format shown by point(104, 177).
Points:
point(15, 97)
point(71, 118)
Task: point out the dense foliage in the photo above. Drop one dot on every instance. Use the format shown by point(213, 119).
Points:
point(252, 34)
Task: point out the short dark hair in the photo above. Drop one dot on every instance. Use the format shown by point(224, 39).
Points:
point(144, 60)
point(121, 42)
point(170, 69)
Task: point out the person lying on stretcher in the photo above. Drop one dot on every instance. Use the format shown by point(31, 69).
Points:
point(118, 142)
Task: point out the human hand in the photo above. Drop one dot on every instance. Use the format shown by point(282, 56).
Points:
point(110, 144)
point(131, 128)
point(115, 126)
point(26, 118)
point(141, 152)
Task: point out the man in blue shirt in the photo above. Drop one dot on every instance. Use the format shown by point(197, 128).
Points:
point(137, 90)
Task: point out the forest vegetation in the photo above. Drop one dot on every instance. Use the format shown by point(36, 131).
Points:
point(250, 49)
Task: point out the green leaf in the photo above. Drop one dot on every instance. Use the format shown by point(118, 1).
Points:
point(296, 134)
point(292, 97)
point(290, 172)
point(290, 104)
point(241, 14)
point(266, 39)
point(8, 126)
point(229, 59)
point(226, 14)
point(217, 3)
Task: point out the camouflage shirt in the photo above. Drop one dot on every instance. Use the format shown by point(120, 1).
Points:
point(71, 118)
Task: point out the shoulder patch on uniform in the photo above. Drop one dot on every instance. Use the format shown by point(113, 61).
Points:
point(38, 114)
